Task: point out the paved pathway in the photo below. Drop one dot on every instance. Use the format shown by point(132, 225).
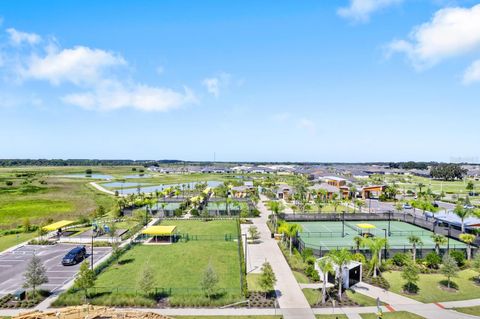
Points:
point(291, 299)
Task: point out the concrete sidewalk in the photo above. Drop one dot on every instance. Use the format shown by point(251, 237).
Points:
point(386, 296)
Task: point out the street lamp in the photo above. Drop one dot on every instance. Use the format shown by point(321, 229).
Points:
point(385, 248)
point(91, 255)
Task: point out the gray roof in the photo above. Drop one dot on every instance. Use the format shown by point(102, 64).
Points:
point(329, 188)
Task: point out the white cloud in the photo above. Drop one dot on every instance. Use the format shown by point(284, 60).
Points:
point(112, 95)
point(472, 74)
point(451, 32)
point(360, 10)
point(79, 65)
point(307, 125)
point(215, 84)
point(19, 37)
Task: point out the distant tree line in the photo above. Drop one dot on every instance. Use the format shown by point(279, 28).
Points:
point(448, 172)
point(81, 162)
point(412, 165)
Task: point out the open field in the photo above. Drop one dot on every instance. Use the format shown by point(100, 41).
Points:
point(177, 269)
point(430, 289)
point(8, 241)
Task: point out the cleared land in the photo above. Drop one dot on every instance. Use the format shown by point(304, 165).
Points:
point(432, 291)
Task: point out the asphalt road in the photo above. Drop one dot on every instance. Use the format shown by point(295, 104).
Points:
point(14, 263)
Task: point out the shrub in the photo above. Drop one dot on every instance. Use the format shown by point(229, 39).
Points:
point(459, 257)
point(360, 258)
point(433, 260)
point(9, 183)
point(401, 259)
point(312, 273)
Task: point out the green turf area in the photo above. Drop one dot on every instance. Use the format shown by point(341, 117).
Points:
point(392, 315)
point(430, 288)
point(331, 316)
point(475, 311)
point(253, 282)
point(314, 296)
point(301, 278)
point(177, 269)
point(15, 239)
point(328, 235)
point(360, 299)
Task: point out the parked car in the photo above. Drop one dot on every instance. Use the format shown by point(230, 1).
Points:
point(407, 206)
point(74, 256)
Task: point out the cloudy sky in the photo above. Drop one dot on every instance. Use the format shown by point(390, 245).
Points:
point(346, 80)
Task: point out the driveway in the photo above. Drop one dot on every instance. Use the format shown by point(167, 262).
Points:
point(14, 263)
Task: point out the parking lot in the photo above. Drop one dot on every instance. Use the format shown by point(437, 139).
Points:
point(14, 263)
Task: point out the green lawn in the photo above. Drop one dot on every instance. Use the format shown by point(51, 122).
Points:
point(301, 278)
point(392, 315)
point(177, 270)
point(430, 290)
point(200, 227)
point(252, 282)
point(469, 310)
point(314, 296)
point(12, 240)
point(360, 299)
point(331, 317)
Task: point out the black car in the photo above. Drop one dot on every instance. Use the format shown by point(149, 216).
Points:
point(74, 256)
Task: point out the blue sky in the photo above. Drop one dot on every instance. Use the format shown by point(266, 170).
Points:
point(359, 80)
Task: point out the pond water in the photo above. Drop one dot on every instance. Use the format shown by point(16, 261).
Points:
point(121, 184)
point(93, 176)
point(152, 189)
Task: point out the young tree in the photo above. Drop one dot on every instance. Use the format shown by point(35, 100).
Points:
point(358, 242)
point(146, 280)
point(438, 240)
point(290, 230)
point(35, 275)
point(85, 278)
point(468, 239)
point(253, 232)
point(26, 225)
point(209, 281)
point(276, 208)
point(410, 274)
point(470, 186)
point(415, 241)
point(449, 268)
point(326, 267)
point(340, 258)
point(267, 278)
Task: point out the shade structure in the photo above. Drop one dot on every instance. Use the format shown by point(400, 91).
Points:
point(58, 225)
point(159, 230)
point(366, 226)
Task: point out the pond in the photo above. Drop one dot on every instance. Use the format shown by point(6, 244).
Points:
point(122, 184)
point(137, 176)
point(124, 189)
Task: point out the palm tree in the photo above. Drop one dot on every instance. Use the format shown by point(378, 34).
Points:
point(340, 258)
point(415, 241)
point(325, 265)
point(358, 242)
point(276, 208)
point(320, 203)
point(360, 204)
point(462, 213)
point(438, 240)
point(290, 230)
point(335, 204)
point(468, 239)
point(420, 186)
point(375, 246)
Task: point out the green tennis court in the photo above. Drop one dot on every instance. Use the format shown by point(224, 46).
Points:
point(329, 235)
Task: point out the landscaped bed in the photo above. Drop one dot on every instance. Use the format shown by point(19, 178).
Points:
point(178, 270)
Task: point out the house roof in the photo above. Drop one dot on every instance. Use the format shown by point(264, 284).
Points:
point(329, 188)
point(334, 178)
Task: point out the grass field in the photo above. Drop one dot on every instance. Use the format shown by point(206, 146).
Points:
point(475, 311)
point(331, 316)
point(177, 269)
point(430, 289)
point(15, 239)
point(392, 315)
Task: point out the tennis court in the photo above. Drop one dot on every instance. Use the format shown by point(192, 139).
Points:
point(329, 235)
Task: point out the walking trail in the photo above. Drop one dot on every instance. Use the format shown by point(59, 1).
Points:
point(291, 299)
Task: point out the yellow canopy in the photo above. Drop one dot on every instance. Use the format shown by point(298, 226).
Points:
point(366, 226)
point(159, 230)
point(58, 225)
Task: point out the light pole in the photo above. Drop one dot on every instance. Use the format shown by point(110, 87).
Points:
point(385, 248)
point(91, 255)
